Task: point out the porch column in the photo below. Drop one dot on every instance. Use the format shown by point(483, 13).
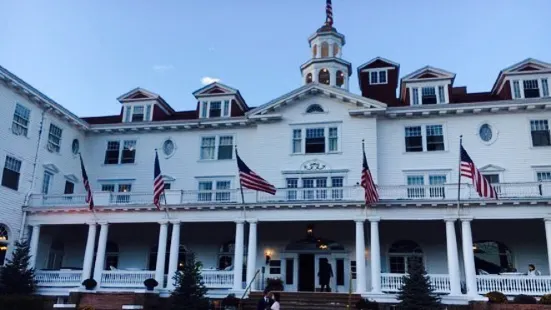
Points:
point(453, 259)
point(89, 252)
point(174, 253)
point(251, 254)
point(547, 222)
point(100, 254)
point(375, 256)
point(161, 254)
point(238, 257)
point(468, 256)
point(360, 257)
point(33, 245)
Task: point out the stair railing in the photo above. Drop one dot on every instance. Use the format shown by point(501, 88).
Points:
point(248, 288)
point(349, 291)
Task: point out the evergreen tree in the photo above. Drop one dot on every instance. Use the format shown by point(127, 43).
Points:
point(16, 278)
point(190, 290)
point(416, 293)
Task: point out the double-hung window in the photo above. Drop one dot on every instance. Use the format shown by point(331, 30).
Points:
point(378, 77)
point(217, 147)
point(418, 188)
point(424, 138)
point(530, 88)
point(216, 108)
point(54, 138)
point(137, 113)
point(543, 176)
point(428, 95)
point(115, 155)
point(424, 95)
point(539, 130)
point(316, 140)
point(315, 188)
point(20, 124)
point(122, 189)
point(46, 182)
point(11, 173)
point(214, 190)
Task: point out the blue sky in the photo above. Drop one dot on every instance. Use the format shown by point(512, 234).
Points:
point(84, 54)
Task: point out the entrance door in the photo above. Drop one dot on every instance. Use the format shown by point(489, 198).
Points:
point(306, 273)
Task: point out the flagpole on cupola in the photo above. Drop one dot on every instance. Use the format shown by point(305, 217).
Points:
point(459, 177)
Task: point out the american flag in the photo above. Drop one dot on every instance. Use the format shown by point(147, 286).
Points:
point(89, 197)
point(158, 183)
point(371, 195)
point(250, 179)
point(329, 13)
point(469, 170)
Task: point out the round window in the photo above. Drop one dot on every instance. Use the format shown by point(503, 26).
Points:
point(75, 146)
point(486, 133)
point(168, 147)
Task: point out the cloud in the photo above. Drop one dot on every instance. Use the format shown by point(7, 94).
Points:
point(206, 80)
point(162, 68)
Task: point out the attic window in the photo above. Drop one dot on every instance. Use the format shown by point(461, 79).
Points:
point(215, 109)
point(314, 108)
point(137, 113)
point(429, 95)
point(378, 77)
point(530, 88)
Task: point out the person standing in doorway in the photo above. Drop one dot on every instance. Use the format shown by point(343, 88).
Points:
point(325, 274)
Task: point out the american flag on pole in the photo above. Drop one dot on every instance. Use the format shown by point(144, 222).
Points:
point(329, 13)
point(158, 183)
point(371, 195)
point(469, 170)
point(89, 197)
point(251, 180)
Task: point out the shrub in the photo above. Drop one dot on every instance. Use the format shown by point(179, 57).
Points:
point(19, 302)
point(16, 275)
point(274, 284)
point(496, 298)
point(417, 293)
point(525, 300)
point(545, 299)
point(190, 289)
point(366, 304)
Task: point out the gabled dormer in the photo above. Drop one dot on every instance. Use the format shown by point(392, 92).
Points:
point(218, 100)
point(529, 78)
point(140, 105)
point(379, 79)
point(426, 86)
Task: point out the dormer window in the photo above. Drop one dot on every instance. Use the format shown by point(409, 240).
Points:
point(378, 77)
point(217, 108)
point(138, 113)
point(530, 88)
point(428, 95)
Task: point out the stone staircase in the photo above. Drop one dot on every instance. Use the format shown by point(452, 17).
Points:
point(115, 301)
point(307, 301)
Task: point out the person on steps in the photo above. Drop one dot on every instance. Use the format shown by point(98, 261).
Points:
point(325, 274)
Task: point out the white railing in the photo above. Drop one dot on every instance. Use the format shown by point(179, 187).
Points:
point(514, 285)
point(387, 193)
point(124, 278)
point(217, 278)
point(392, 282)
point(58, 278)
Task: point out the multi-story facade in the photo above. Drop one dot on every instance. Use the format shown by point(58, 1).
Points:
point(308, 143)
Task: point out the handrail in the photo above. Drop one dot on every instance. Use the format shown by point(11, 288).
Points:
point(247, 288)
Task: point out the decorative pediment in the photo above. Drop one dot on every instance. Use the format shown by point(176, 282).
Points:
point(51, 168)
point(168, 178)
point(138, 94)
point(358, 103)
point(314, 165)
point(378, 62)
point(428, 73)
point(529, 65)
point(215, 88)
point(71, 177)
point(492, 168)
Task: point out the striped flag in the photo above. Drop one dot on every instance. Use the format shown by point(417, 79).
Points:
point(329, 13)
point(251, 180)
point(469, 170)
point(371, 195)
point(89, 197)
point(158, 183)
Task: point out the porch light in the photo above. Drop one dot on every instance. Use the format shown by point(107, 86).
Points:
point(323, 246)
point(474, 247)
point(3, 248)
point(3, 238)
point(268, 254)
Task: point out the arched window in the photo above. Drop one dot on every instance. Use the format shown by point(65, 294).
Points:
point(309, 78)
point(492, 257)
point(314, 51)
point(324, 49)
point(182, 251)
point(3, 243)
point(55, 256)
point(314, 108)
point(323, 76)
point(402, 253)
point(111, 255)
point(335, 49)
point(340, 78)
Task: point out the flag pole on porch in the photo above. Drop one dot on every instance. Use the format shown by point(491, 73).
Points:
point(159, 186)
point(240, 185)
point(89, 195)
point(459, 177)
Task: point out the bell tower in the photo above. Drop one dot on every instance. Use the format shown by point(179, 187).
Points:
point(326, 65)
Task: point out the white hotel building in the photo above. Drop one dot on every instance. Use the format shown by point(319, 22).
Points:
point(308, 144)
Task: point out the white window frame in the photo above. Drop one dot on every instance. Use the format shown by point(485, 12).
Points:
point(52, 146)
point(121, 148)
point(17, 127)
point(225, 110)
point(298, 192)
point(426, 174)
point(326, 127)
point(435, 84)
point(46, 187)
point(216, 146)
point(128, 112)
point(378, 72)
point(521, 79)
point(530, 130)
point(215, 190)
point(541, 170)
point(424, 137)
point(118, 196)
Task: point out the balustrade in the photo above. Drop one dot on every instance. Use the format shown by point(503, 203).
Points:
point(392, 282)
point(514, 285)
point(58, 278)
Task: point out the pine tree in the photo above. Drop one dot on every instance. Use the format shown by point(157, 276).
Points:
point(16, 278)
point(416, 293)
point(190, 290)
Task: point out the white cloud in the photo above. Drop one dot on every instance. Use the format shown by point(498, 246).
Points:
point(162, 68)
point(206, 80)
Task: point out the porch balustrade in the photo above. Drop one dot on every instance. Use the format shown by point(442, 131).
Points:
point(392, 282)
point(123, 278)
point(514, 285)
point(217, 278)
point(58, 278)
point(444, 192)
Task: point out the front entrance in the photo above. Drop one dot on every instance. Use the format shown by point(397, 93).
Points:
point(306, 273)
